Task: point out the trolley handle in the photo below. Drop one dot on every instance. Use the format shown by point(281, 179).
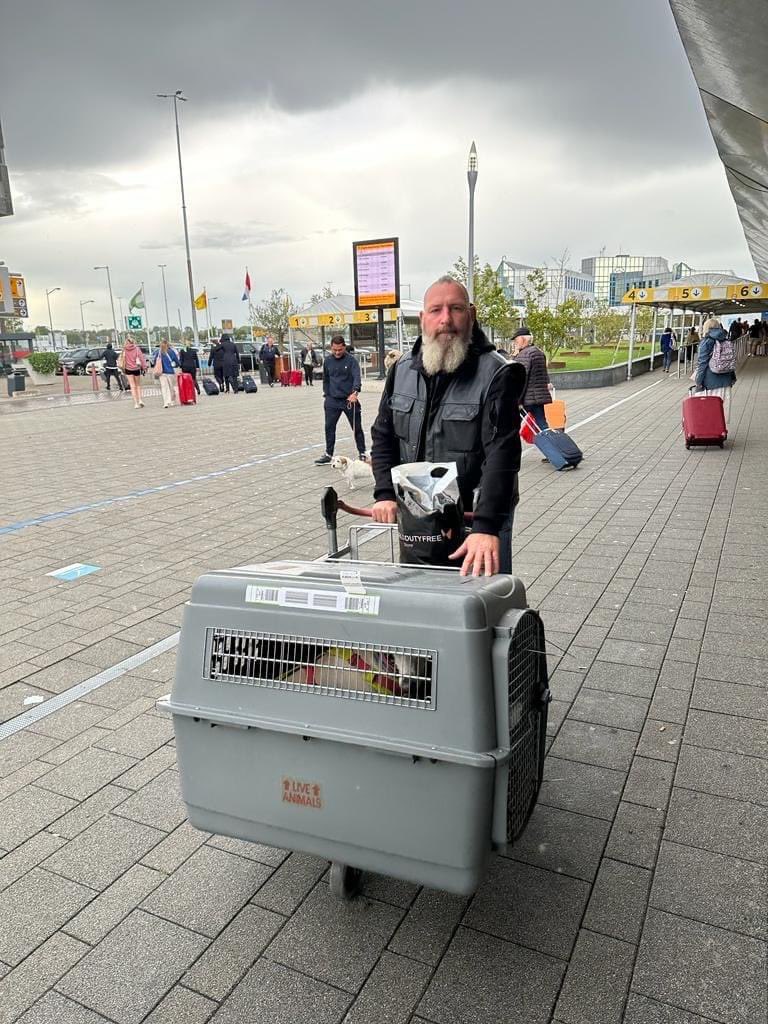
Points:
point(368, 513)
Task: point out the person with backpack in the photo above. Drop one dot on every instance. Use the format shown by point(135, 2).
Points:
point(716, 365)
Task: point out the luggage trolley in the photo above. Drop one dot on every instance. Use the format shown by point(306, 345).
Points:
point(386, 717)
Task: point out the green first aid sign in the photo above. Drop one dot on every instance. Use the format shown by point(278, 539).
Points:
point(133, 323)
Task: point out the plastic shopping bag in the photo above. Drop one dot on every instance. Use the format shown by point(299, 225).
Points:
point(430, 517)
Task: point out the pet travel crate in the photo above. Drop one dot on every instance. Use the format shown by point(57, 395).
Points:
point(388, 718)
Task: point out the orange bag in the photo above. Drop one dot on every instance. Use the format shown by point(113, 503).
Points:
point(555, 415)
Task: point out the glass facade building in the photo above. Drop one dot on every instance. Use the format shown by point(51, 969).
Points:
point(514, 277)
point(602, 268)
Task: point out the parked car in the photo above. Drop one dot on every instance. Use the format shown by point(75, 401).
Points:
point(76, 360)
point(249, 356)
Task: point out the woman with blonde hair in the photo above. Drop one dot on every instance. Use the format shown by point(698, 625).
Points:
point(715, 372)
point(133, 364)
point(165, 365)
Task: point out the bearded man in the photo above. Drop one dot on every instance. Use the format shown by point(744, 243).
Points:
point(453, 398)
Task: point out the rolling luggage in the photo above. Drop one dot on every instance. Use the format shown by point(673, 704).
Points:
point(296, 378)
point(187, 393)
point(285, 378)
point(210, 387)
point(264, 373)
point(558, 448)
point(704, 420)
point(249, 384)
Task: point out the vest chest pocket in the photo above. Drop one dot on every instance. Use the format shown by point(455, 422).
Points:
point(460, 427)
point(402, 407)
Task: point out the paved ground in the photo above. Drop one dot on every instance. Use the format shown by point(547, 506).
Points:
point(637, 893)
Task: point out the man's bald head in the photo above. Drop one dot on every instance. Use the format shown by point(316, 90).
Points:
point(446, 279)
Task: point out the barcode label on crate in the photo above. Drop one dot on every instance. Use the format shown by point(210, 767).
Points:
point(320, 600)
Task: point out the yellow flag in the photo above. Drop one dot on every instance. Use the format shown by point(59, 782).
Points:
point(201, 302)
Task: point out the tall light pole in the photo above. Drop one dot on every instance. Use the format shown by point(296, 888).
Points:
point(165, 300)
point(111, 300)
point(121, 299)
point(176, 97)
point(48, 293)
point(85, 302)
point(472, 180)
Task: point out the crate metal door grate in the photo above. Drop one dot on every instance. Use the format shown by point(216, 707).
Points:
point(383, 674)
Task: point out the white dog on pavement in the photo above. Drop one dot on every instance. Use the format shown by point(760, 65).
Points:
point(356, 472)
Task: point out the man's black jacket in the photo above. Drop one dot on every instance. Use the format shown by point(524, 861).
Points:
point(500, 429)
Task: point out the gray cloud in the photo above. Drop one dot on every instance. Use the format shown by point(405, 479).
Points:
point(42, 193)
point(227, 237)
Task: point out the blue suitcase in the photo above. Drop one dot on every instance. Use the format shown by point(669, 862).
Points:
point(558, 449)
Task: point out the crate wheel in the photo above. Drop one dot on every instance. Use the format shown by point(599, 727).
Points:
point(345, 881)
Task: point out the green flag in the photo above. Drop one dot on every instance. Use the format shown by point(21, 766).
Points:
point(137, 302)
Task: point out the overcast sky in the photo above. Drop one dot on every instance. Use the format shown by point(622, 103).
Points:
point(313, 124)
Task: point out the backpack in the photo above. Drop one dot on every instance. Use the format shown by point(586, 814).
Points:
point(723, 358)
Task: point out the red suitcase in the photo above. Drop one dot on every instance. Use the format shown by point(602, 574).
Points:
point(296, 378)
point(285, 379)
point(704, 421)
point(187, 393)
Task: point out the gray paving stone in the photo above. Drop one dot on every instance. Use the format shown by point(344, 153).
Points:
point(181, 1006)
point(709, 887)
point(175, 848)
point(27, 856)
point(114, 904)
point(253, 851)
point(722, 773)
point(597, 981)
point(70, 721)
point(132, 968)
point(649, 782)
point(619, 899)
point(727, 732)
point(90, 810)
point(139, 737)
point(720, 824)
point(158, 803)
point(33, 908)
point(27, 811)
point(392, 990)
point(235, 950)
point(669, 705)
point(595, 744)
point(730, 698)
point(106, 849)
point(149, 768)
point(88, 771)
point(288, 886)
point(635, 835)
point(335, 942)
point(272, 994)
point(689, 629)
point(34, 976)
point(22, 748)
point(628, 627)
point(582, 788)
point(730, 669)
point(565, 685)
point(563, 842)
point(676, 955)
point(484, 980)
point(428, 927)
point(631, 679)
point(56, 1009)
point(601, 707)
point(626, 652)
point(641, 1010)
point(389, 890)
point(524, 904)
point(207, 890)
point(660, 740)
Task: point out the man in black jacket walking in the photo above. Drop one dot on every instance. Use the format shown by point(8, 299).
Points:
point(537, 385)
point(190, 363)
point(268, 356)
point(341, 387)
point(110, 367)
point(453, 398)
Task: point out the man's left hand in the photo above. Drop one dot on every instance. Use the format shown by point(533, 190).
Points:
point(352, 398)
point(480, 552)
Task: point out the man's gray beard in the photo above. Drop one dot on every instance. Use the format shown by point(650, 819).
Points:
point(439, 356)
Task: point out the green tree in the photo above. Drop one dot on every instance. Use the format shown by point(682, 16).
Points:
point(552, 327)
point(274, 314)
point(326, 293)
point(495, 312)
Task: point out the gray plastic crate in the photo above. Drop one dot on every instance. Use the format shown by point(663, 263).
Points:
point(387, 717)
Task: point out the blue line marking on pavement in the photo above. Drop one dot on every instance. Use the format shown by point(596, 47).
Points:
point(49, 517)
point(74, 571)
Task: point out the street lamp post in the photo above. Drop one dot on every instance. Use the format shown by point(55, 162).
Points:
point(48, 293)
point(176, 97)
point(111, 300)
point(165, 300)
point(120, 300)
point(85, 302)
point(472, 181)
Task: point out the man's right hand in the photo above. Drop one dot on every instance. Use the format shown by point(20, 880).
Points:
point(384, 512)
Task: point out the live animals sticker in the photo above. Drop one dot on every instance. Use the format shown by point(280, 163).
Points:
point(302, 793)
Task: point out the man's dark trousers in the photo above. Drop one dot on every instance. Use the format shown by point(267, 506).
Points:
point(108, 372)
point(333, 410)
point(537, 411)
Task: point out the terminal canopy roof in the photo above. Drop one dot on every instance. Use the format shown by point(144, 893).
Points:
point(339, 310)
point(705, 293)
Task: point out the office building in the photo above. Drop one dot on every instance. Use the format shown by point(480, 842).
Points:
point(602, 267)
point(561, 284)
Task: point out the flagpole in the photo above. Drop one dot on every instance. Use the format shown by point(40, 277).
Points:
point(146, 314)
point(250, 309)
point(207, 313)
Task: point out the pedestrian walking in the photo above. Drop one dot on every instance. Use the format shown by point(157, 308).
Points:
point(538, 389)
point(268, 356)
point(309, 360)
point(453, 398)
point(341, 388)
point(716, 365)
point(230, 363)
point(190, 363)
point(111, 368)
point(165, 365)
point(134, 365)
point(216, 360)
point(667, 346)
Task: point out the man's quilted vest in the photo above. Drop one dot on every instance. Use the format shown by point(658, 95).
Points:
point(455, 431)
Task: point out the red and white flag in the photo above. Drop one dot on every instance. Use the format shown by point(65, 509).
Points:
point(247, 292)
